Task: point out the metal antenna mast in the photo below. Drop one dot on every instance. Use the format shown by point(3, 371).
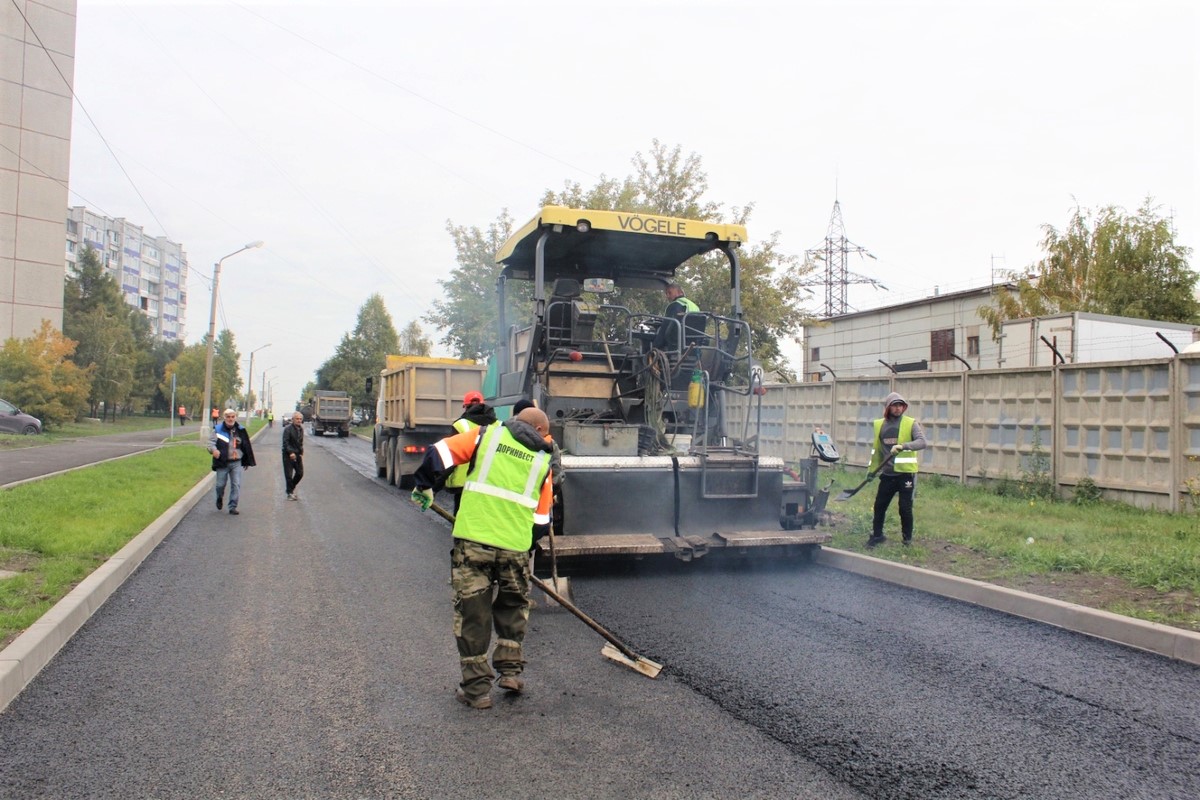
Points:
point(837, 276)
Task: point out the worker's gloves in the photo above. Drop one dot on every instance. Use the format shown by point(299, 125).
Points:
point(896, 448)
point(422, 498)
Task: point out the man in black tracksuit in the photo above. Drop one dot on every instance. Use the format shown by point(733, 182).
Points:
point(293, 454)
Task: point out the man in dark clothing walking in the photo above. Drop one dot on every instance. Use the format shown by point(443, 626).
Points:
point(293, 455)
point(231, 452)
point(897, 435)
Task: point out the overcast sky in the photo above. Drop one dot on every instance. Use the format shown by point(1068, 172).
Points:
point(346, 134)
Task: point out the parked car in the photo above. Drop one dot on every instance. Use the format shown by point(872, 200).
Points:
point(13, 420)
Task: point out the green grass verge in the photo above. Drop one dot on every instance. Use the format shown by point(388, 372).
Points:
point(1022, 537)
point(55, 532)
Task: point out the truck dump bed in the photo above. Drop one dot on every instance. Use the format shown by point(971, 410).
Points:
point(417, 391)
point(419, 399)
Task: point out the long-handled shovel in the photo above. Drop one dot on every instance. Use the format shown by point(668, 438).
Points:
point(848, 493)
point(615, 650)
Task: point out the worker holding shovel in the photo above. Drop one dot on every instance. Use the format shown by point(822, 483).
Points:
point(506, 502)
point(897, 436)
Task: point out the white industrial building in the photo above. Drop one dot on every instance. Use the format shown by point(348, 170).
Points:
point(944, 333)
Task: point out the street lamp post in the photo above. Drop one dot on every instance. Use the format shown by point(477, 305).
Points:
point(205, 429)
point(262, 396)
point(250, 379)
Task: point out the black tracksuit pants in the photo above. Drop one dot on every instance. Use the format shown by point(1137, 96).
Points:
point(293, 471)
point(903, 484)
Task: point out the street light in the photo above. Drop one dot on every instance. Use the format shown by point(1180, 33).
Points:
point(262, 396)
point(250, 379)
point(205, 429)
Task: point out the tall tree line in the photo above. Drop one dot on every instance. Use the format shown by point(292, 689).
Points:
point(666, 181)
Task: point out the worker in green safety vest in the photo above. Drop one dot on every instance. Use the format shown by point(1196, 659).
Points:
point(678, 306)
point(899, 436)
point(476, 413)
point(505, 507)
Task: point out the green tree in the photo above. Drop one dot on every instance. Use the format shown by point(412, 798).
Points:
point(306, 393)
point(227, 377)
point(38, 375)
point(88, 287)
point(113, 337)
point(150, 371)
point(665, 181)
point(414, 342)
point(467, 312)
point(1106, 262)
point(362, 353)
point(188, 370)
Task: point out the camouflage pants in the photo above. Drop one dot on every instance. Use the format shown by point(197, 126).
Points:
point(491, 588)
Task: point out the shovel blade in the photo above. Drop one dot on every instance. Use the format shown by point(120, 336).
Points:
point(643, 665)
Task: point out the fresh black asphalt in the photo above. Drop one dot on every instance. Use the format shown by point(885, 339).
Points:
point(304, 650)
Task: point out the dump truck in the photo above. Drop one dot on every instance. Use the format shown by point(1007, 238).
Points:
point(639, 403)
point(330, 413)
point(419, 399)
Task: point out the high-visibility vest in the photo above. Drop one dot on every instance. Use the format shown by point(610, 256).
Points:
point(458, 475)
point(502, 492)
point(905, 460)
point(688, 306)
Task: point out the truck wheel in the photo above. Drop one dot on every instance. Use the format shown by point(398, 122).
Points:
point(343, 434)
point(380, 469)
point(389, 460)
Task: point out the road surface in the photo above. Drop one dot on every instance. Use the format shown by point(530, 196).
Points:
point(304, 650)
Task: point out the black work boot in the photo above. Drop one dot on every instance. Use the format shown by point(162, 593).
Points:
point(876, 540)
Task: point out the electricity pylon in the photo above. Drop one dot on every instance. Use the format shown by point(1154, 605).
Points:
point(837, 277)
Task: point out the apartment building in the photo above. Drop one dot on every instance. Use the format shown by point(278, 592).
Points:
point(152, 271)
point(37, 64)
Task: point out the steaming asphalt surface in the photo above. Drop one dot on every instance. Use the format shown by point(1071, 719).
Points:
point(304, 650)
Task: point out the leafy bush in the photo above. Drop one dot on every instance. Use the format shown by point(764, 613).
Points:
point(1086, 492)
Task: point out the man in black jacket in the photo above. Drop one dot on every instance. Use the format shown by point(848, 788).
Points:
point(293, 454)
point(231, 452)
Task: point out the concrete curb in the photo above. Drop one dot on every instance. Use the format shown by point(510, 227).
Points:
point(22, 660)
point(1152, 636)
point(30, 652)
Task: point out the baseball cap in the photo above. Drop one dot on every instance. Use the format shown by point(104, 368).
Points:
point(472, 397)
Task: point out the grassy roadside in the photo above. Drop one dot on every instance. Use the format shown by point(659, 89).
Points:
point(1142, 564)
point(57, 531)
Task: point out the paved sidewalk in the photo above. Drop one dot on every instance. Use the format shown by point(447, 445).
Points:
point(28, 463)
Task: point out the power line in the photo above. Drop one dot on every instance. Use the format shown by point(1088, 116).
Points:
point(96, 127)
point(414, 93)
